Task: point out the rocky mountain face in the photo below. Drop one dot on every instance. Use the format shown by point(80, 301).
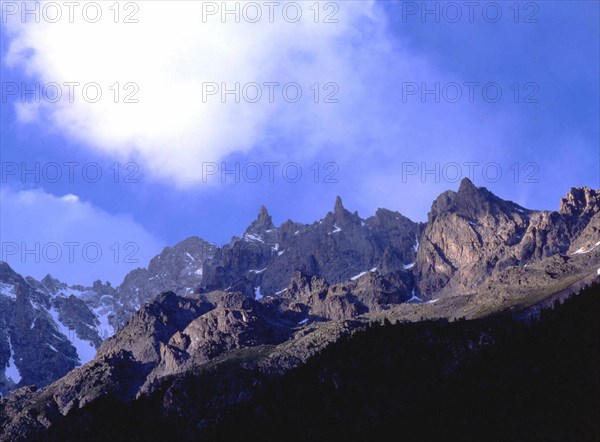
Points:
point(260, 263)
point(338, 247)
point(203, 355)
point(263, 260)
point(177, 269)
point(472, 234)
point(48, 328)
point(277, 296)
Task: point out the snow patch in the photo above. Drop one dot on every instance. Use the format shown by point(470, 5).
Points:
point(199, 271)
point(105, 330)
point(252, 237)
point(257, 271)
point(257, 293)
point(280, 253)
point(7, 290)
point(582, 250)
point(85, 349)
point(335, 230)
point(11, 370)
point(69, 291)
point(304, 321)
point(414, 299)
point(408, 266)
point(190, 256)
point(416, 243)
point(355, 277)
point(280, 291)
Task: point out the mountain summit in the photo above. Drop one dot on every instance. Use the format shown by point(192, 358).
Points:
point(262, 223)
point(279, 295)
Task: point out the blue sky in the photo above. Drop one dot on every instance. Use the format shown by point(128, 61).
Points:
point(370, 146)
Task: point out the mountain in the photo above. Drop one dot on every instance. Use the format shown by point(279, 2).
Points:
point(203, 329)
point(472, 234)
point(177, 269)
point(342, 246)
point(492, 379)
point(48, 328)
point(263, 260)
point(336, 248)
point(50, 325)
point(260, 263)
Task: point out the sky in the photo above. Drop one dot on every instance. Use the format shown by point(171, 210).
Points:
point(127, 127)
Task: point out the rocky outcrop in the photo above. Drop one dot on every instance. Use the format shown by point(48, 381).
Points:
point(212, 351)
point(242, 261)
point(313, 298)
point(336, 248)
point(33, 351)
point(580, 202)
point(47, 328)
point(472, 234)
point(589, 237)
point(343, 245)
point(196, 303)
point(177, 269)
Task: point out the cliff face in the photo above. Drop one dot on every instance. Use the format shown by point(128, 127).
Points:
point(276, 297)
point(47, 328)
point(472, 234)
point(336, 248)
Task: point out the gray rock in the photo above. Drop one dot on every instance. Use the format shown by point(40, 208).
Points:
point(472, 234)
point(196, 305)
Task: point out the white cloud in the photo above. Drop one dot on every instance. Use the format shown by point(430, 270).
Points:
point(171, 53)
point(71, 198)
point(42, 233)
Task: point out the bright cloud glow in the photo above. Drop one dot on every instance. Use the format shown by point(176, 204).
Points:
point(371, 133)
point(170, 54)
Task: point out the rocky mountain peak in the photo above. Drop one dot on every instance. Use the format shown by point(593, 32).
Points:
point(580, 201)
point(263, 215)
point(52, 284)
point(49, 280)
point(276, 284)
point(342, 216)
point(469, 201)
point(472, 234)
point(263, 222)
point(473, 199)
point(338, 208)
point(467, 186)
